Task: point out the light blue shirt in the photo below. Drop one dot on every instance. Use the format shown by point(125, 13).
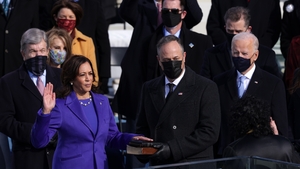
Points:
point(166, 33)
point(34, 77)
point(248, 77)
point(1, 1)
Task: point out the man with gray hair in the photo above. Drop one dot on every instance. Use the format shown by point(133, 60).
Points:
point(246, 78)
point(21, 97)
point(218, 58)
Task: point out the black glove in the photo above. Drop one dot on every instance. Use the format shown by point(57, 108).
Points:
point(163, 153)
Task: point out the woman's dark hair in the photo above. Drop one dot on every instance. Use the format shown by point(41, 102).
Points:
point(73, 6)
point(251, 115)
point(70, 71)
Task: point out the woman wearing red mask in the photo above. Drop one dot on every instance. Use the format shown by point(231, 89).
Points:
point(67, 15)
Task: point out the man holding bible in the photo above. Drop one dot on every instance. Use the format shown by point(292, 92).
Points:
point(180, 109)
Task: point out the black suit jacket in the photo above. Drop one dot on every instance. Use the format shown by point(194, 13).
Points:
point(218, 60)
point(290, 25)
point(20, 101)
point(271, 147)
point(22, 16)
point(189, 122)
point(294, 114)
point(194, 45)
point(262, 85)
point(265, 19)
point(142, 15)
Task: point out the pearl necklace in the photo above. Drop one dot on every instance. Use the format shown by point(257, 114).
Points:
point(85, 104)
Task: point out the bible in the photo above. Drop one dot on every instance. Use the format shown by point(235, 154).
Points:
point(138, 147)
point(140, 150)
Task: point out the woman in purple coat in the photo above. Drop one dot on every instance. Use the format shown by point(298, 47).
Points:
point(83, 120)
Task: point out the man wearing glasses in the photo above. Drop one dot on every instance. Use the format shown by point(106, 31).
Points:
point(195, 44)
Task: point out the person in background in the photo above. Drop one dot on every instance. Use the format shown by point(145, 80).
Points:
point(144, 16)
point(195, 44)
point(60, 47)
point(290, 25)
point(16, 16)
point(256, 133)
point(83, 119)
point(246, 78)
point(21, 97)
point(67, 15)
point(294, 108)
point(218, 58)
point(180, 109)
point(109, 10)
point(92, 24)
point(290, 40)
point(265, 22)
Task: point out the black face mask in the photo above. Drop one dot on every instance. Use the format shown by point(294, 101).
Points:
point(170, 19)
point(36, 65)
point(229, 38)
point(241, 64)
point(172, 69)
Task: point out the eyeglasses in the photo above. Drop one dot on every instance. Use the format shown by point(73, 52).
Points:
point(174, 11)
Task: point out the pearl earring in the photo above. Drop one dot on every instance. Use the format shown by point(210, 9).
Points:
point(71, 83)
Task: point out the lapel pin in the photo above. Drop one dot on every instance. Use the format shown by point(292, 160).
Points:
point(191, 45)
point(256, 82)
point(180, 94)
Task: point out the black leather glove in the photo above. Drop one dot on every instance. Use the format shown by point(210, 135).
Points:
point(163, 153)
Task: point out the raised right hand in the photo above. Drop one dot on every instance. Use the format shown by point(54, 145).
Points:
point(48, 98)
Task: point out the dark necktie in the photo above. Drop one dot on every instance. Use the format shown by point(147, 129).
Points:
point(171, 90)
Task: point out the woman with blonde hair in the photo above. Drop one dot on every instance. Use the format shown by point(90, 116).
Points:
point(60, 47)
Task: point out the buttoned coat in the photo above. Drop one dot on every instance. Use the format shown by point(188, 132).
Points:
point(218, 60)
point(83, 45)
point(78, 146)
point(262, 85)
point(189, 122)
point(265, 20)
point(19, 101)
point(22, 16)
point(195, 45)
point(142, 15)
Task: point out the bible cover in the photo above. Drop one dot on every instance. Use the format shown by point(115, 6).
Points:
point(140, 150)
point(138, 147)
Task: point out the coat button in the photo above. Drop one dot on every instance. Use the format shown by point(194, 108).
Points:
point(6, 51)
point(174, 127)
point(6, 31)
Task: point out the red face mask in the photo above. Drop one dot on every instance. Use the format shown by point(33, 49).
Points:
point(66, 24)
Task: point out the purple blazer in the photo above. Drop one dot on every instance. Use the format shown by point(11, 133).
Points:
point(78, 147)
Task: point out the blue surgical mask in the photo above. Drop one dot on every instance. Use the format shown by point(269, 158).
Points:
point(57, 56)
